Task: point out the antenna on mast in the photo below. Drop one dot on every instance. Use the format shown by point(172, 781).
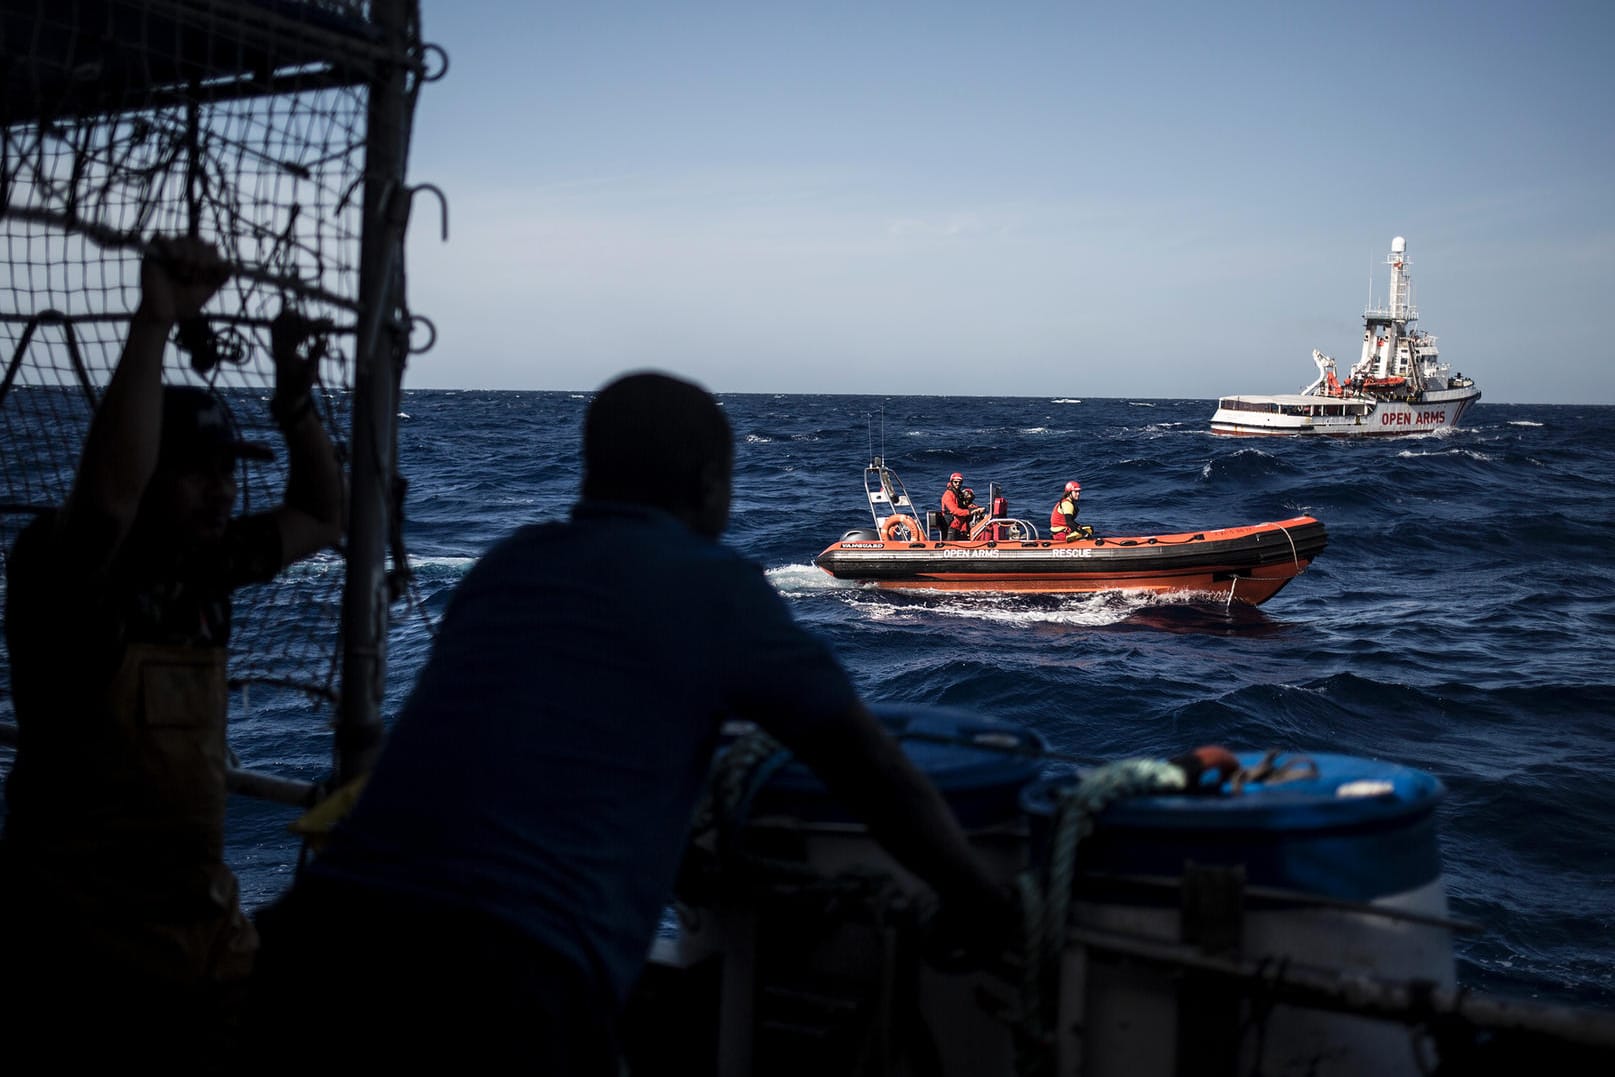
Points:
point(881, 459)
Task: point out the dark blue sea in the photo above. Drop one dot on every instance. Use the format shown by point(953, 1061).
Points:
point(1461, 621)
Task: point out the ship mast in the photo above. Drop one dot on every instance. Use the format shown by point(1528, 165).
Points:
point(1384, 328)
point(1401, 284)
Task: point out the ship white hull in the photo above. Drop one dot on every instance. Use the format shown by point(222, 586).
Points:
point(1295, 414)
point(1397, 386)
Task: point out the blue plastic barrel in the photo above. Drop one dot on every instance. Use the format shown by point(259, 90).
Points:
point(980, 765)
point(1359, 830)
point(1342, 873)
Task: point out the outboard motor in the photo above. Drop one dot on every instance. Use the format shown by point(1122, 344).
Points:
point(1000, 509)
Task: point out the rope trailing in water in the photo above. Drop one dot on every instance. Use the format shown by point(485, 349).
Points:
point(1046, 902)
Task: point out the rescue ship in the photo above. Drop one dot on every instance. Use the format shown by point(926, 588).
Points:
point(1397, 386)
point(906, 551)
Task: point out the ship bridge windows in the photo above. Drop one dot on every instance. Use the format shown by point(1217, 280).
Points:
point(1324, 410)
point(1329, 408)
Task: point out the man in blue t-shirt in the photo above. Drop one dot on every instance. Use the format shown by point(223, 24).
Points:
point(500, 880)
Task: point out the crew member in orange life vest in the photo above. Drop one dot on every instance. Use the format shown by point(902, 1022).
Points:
point(1063, 520)
point(955, 513)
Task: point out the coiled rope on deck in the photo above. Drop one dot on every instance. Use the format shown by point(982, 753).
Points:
point(719, 857)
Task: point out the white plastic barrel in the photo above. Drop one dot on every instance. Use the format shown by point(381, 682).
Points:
point(811, 982)
point(1336, 876)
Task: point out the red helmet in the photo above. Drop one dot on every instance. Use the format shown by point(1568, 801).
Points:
point(968, 492)
point(1073, 487)
point(956, 477)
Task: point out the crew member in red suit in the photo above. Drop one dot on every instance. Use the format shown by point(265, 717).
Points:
point(955, 513)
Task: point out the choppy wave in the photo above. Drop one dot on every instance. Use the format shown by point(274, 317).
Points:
point(1460, 620)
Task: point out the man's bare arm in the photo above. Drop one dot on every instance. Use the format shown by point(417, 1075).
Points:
point(177, 277)
point(310, 516)
point(867, 770)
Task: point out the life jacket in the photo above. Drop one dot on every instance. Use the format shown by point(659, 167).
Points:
point(1064, 516)
point(955, 517)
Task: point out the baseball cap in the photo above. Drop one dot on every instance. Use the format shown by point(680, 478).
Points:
point(197, 422)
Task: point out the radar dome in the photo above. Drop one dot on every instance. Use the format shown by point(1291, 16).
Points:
point(1399, 245)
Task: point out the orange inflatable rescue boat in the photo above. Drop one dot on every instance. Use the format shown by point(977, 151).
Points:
point(904, 550)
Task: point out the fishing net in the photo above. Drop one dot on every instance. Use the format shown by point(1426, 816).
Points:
point(244, 123)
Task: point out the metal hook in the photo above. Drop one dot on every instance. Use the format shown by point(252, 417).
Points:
point(442, 201)
point(428, 75)
point(431, 341)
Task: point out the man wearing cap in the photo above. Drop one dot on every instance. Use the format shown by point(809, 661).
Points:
point(956, 515)
point(120, 927)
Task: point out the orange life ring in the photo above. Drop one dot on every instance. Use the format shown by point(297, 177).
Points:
point(893, 522)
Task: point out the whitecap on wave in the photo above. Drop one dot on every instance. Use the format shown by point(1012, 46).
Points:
point(1409, 454)
point(1522, 422)
point(1205, 470)
point(320, 564)
point(443, 565)
point(1065, 400)
point(1019, 611)
point(998, 610)
point(791, 580)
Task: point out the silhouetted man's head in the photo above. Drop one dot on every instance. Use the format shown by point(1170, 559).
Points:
point(192, 492)
point(654, 439)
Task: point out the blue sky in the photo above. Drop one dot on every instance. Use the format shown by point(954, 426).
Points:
point(1142, 199)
